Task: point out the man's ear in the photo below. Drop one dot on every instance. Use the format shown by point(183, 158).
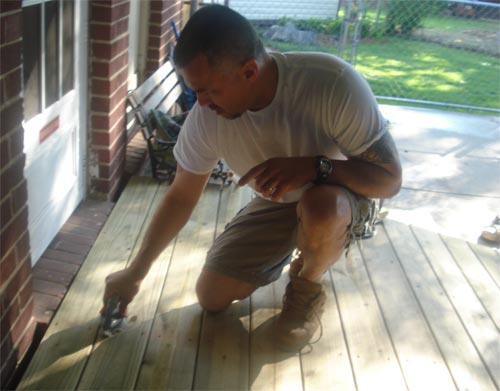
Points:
point(250, 70)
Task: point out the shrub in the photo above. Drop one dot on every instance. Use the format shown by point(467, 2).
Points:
point(326, 26)
point(371, 30)
point(404, 16)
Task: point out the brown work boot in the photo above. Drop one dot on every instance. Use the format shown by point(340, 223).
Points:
point(303, 306)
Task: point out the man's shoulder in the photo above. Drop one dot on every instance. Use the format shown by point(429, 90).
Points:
point(200, 115)
point(310, 69)
point(314, 61)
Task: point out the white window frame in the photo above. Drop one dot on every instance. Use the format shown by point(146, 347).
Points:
point(46, 111)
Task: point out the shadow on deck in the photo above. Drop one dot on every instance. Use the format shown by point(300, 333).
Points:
point(420, 298)
point(406, 303)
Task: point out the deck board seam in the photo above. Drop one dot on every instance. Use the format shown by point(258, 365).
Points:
point(150, 329)
point(218, 218)
point(204, 314)
point(485, 364)
point(96, 336)
point(478, 297)
point(457, 313)
point(483, 265)
point(381, 311)
point(419, 303)
point(344, 334)
point(148, 332)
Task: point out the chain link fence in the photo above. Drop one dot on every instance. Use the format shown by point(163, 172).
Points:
point(431, 52)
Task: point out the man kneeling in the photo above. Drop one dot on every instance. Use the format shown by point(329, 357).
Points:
point(305, 132)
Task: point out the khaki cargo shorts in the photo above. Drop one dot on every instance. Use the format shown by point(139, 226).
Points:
point(257, 243)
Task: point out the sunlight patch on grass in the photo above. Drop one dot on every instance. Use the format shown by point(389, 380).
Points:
point(460, 24)
point(436, 74)
point(447, 88)
point(404, 68)
point(427, 57)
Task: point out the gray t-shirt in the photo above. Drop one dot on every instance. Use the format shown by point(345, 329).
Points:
point(322, 106)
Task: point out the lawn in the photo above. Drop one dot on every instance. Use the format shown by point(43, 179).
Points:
point(431, 72)
point(410, 69)
point(440, 22)
point(460, 24)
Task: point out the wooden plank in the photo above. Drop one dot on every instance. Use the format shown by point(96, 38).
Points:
point(150, 83)
point(326, 366)
point(61, 357)
point(456, 347)
point(224, 342)
point(411, 336)
point(169, 361)
point(478, 324)
point(115, 362)
point(374, 362)
point(270, 368)
point(478, 277)
point(171, 98)
point(160, 93)
point(490, 258)
point(222, 362)
point(130, 120)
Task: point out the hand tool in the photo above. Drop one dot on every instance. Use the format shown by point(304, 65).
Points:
point(112, 321)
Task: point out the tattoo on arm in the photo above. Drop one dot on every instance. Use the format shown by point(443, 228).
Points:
point(383, 151)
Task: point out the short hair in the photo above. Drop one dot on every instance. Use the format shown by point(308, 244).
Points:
point(219, 33)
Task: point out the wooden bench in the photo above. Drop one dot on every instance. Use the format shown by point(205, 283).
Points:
point(161, 91)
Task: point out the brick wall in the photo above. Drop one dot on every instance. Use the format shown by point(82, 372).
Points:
point(109, 57)
point(16, 300)
point(161, 35)
point(108, 76)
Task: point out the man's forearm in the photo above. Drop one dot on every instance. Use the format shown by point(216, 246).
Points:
point(376, 173)
point(169, 219)
point(365, 178)
point(172, 214)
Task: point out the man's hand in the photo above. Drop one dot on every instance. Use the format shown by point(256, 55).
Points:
point(277, 176)
point(124, 285)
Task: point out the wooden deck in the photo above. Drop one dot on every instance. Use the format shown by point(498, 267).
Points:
point(408, 309)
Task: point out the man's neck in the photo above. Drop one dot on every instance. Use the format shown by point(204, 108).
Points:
point(267, 84)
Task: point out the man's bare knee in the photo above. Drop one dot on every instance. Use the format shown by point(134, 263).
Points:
point(211, 305)
point(216, 291)
point(324, 208)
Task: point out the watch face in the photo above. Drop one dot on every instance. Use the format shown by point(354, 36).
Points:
point(324, 168)
point(324, 165)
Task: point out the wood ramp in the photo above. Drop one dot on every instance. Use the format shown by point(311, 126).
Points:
point(407, 309)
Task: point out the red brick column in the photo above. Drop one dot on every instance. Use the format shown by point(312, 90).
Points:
point(109, 56)
point(161, 35)
point(16, 299)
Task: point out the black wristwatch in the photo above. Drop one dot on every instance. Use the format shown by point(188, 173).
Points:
point(324, 168)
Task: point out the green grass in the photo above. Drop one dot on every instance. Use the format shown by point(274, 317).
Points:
point(446, 23)
point(423, 71)
point(460, 24)
point(427, 71)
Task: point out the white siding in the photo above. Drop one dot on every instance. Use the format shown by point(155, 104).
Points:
point(298, 9)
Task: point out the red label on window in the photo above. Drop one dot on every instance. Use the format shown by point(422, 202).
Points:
point(48, 129)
